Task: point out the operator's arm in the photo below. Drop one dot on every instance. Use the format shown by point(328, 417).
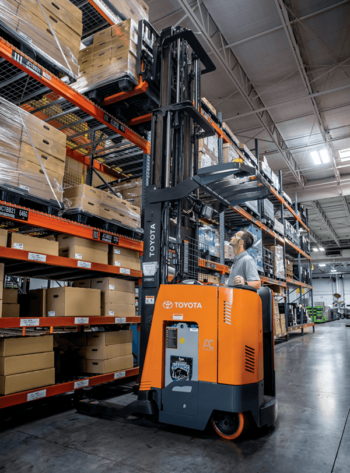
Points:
point(251, 274)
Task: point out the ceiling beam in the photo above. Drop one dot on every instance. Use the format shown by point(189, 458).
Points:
point(238, 77)
point(346, 206)
point(317, 207)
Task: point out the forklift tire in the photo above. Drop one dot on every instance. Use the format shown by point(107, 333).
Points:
point(227, 424)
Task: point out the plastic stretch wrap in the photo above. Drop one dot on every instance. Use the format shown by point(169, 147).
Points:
point(264, 167)
point(252, 205)
point(267, 210)
point(278, 227)
point(53, 28)
point(32, 154)
point(207, 240)
point(131, 191)
point(278, 261)
point(232, 154)
point(111, 55)
point(206, 159)
point(102, 204)
point(275, 181)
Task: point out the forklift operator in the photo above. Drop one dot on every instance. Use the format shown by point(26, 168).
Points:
point(243, 270)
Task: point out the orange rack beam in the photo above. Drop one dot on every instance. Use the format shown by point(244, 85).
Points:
point(141, 87)
point(14, 56)
point(63, 225)
point(48, 391)
point(266, 280)
point(288, 207)
point(16, 322)
point(293, 282)
point(221, 268)
point(297, 249)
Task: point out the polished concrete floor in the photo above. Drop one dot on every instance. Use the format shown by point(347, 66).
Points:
point(312, 434)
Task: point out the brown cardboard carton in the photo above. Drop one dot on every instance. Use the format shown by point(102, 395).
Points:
point(10, 296)
point(26, 381)
point(115, 297)
point(2, 272)
point(24, 363)
point(108, 366)
point(33, 304)
point(210, 106)
point(50, 162)
point(44, 144)
point(73, 302)
point(10, 310)
point(83, 190)
point(83, 249)
point(3, 237)
point(25, 345)
point(113, 284)
point(108, 338)
point(1, 291)
point(124, 262)
point(86, 283)
point(104, 352)
point(118, 310)
point(85, 204)
point(39, 189)
point(131, 9)
point(125, 252)
point(49, 132)
point(32, 244)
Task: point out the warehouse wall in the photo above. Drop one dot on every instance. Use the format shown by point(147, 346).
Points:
point(324, 288)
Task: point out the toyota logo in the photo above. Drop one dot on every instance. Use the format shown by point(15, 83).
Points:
point(167, 305)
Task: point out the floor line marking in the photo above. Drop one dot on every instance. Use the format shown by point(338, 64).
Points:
point(341, 439)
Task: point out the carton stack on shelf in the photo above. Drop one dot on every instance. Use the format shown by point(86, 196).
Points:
point(278, 261)
point(289, 269)
point(228, 251)
point(10, 306)
point(35, 22)
point(111, 55)
point(2, 276)
point(19, 241)
point(108, 351)
point(208, 151)
point(131, 190)
point(135, 9)
point(82, 249)
point(279, 320)
point(73, 302)
point(117, 296)
point(26, 363)
point(124, 258)
point(24, 137)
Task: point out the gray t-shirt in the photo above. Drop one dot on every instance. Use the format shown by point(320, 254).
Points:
point(243, 265)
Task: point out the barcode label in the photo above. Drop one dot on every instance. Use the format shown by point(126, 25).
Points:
point(116, 263)
point(111, 287)
point(120, 320)
point(36, 395)
point(78, 256)
point(18, 246)
point(29, 322)
point(124, 271)
point(37, 257)
point(81, 320)
point(81, 384)
point(178, 317)
point(121, 374)
point(117, 251)
point(51, 313)
point(84, 264)
point(111, 312)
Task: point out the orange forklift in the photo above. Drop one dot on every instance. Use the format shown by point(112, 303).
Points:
point(206, 351)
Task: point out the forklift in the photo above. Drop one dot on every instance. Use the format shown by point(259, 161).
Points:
point(206, 351)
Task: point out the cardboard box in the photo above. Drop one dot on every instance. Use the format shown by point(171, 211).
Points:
point(108, 338)
point(33, 304)
point(3, 237)
point(113, 284)
point(209, 105)
point(124, 261)
point(83, 249)
point(85, 283)
point(10, 310)
point(120, 298)
point(2, 272)
point(83, 190)
point(104, 352)
point(26, 381)
point(32, 244)
point(118, 310)
point(24, 363)
point(73, 302)
point(85, 204)
point(25, 345)
point(10, 296)
point(108, 366)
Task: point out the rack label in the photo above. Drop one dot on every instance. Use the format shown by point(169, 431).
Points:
point(51, 313)
point(37, 257)
point(29, 65)
point(120, 320)
point(81, 384)
point(18, 246)
point(78, 256)
point(111, 312)
point(106, 237)
point(29, 322)
point(84, 264)
point(149, 300)
point(121, 374)
point(116, 251)
point(116, 263)
point(95, 234)
point(124, 271)
point(81, 320)
point(36, 395)
point(12, 212)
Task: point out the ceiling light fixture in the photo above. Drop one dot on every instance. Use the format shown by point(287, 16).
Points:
point(315, 156)
point(322, 265)
point(320, 157)
point(333, 270)
point(324, 156)
point(320, 248)
point(344, 154)
point(314, 249)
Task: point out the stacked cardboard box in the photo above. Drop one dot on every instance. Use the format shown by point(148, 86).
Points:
point(236, 141)
point(33, 244)
point(208, 151)
point(33, 303)
point(209, 105)
point(10, 306)
point(117, 296)
point(73, 302)
point(82, 249)
point(228, 251)
point(232, 154)
point(37, 22)
point(279, 320)
point(23, 137)
point(278, 261)
point(111, 55)
point(124, 258)
point(2, 277)
point(131, 191)
point(26, 363)
point(108, 351)
point(102, 204)
point(289, 269)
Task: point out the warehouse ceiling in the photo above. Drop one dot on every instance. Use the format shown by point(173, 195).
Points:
point(283, 76)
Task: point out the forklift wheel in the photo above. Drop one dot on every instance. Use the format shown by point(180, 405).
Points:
point(227, 424)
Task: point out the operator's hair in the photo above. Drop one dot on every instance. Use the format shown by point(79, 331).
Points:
point(248, 239)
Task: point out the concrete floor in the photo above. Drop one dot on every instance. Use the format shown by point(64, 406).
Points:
point(312, 433)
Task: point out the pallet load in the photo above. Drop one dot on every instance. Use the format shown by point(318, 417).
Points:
point(278, 227)
point(32, 154)
point(110, 56)
point(267, 211)
point(208, 151)
point(131, 191)
point(279, 320)
point(19, 241)
point(117, 296)
point(82, 249)
point(124, 258)
point(228, 251)
point(107, 351)
point(10, 306)
point(289, 269)
point(26, 363)
point(52, 30)
point(231, 154)
point(73, 302)
point(208, 237)
point(84, 198)
point(278, 261)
